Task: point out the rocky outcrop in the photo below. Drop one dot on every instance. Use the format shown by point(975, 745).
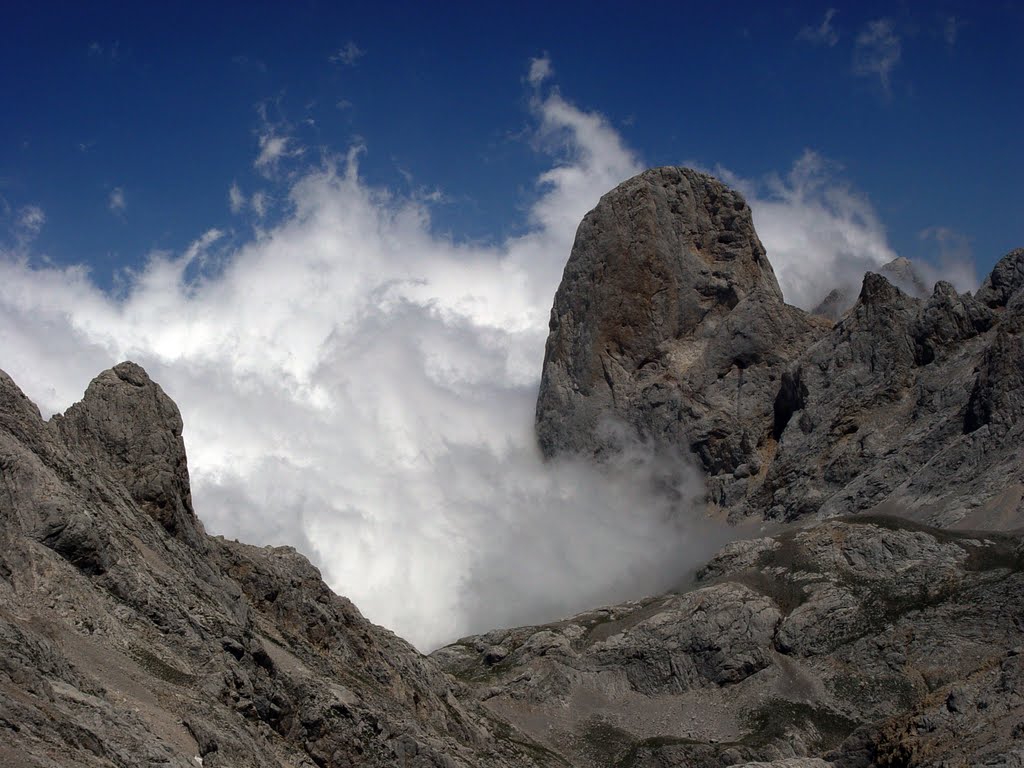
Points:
point(128, 428)
point(847, 643)
point(904, 402)
point(901, 272)
point(669, 320)
point(1005, 282)
point(129, 637)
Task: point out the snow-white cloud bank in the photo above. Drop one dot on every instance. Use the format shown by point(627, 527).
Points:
point(362, 388)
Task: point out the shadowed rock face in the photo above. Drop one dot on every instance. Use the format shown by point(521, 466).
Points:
point(669, 327)
point(127, 427)
point(128, 637)
point(668, 319)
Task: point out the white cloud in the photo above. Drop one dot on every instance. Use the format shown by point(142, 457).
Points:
point(111, 51)
point(116, 202)
point(30, 220)
point(952, 259)
point(877, 51)
point(236, 200)
point(273, 148)
point(359, 387)
point(540, 70)
point(248, 62)
point(819, 233)
point(348, 54)
point(823, 34)
point(259, 203)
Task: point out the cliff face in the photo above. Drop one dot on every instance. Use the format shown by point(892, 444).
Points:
point(669, 321)
point(129, 637)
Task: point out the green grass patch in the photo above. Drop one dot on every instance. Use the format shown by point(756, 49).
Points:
point(160, 669)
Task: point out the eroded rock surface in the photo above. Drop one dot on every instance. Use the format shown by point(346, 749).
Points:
point(855, 642)
point(128, 637)
point(669, 320)
point(668, 327)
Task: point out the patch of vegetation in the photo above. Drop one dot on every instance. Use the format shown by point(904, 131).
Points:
point(602, 627)
point(863, 692)
point(605, 742)
point(773, 720)
point(480, 673)
point(656, 743)
point(789, 554)
point(1000, 553)
point(161, 669)
point(538, 752)
point(787, 594)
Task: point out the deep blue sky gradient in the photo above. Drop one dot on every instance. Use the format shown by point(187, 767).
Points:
point(165, 103)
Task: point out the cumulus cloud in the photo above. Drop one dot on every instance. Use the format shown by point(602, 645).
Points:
point(877, 51)
point(823, 34)
point(362, 388)
point(116, 201)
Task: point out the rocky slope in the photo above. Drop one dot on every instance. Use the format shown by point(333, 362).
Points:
point(669, 326)
point(128, 637)
point(858, 642)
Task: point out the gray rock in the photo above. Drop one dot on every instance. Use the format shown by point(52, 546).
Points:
point(669, 321)
point(997, 397)
point(129, 637)
point(1005, 281)
point(128, 427)
point(835, 304)
point(901, 272)
point(662, 330)
point(831, 644)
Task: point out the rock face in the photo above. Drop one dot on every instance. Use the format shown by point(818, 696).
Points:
point(904, 402)
point(669, 320)
point(901, 272)
point(126, 427)
point(128, 637)
point(862, 642)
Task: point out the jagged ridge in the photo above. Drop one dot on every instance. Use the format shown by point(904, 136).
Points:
point(129, 637)
point(668, 320)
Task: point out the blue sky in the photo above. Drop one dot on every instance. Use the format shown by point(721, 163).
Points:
point(333, 234)
point(127, 123)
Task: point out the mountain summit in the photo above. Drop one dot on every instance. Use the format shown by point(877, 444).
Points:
point(669, 326)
